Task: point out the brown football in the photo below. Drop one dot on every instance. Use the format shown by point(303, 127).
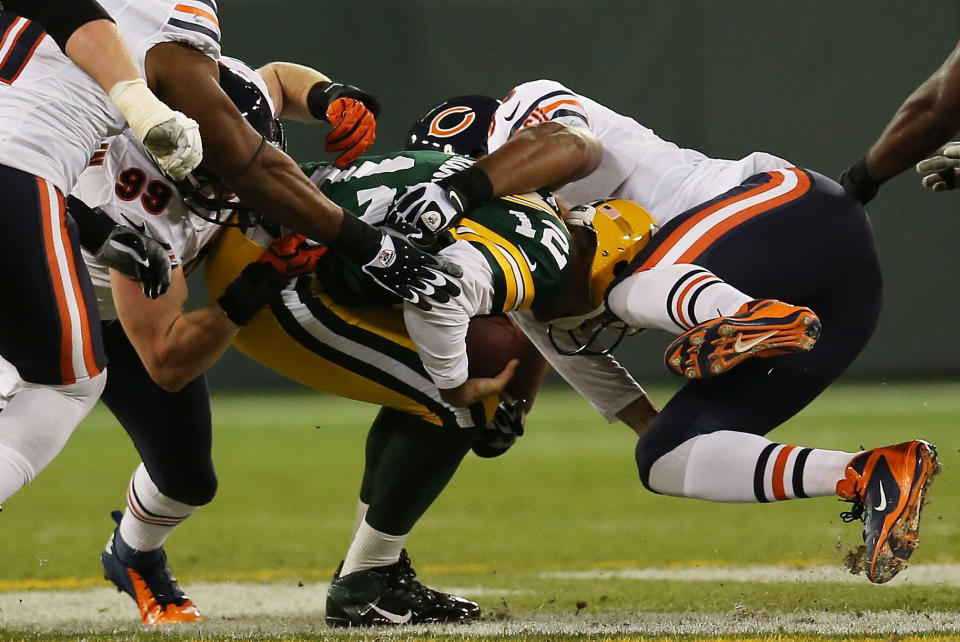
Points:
point(491, 343)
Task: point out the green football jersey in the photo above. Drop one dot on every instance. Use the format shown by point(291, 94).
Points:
point(522, 237)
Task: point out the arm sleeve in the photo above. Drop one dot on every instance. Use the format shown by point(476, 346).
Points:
point(59, 18)
point(440, 333)
point(533, 103)
point(601, 379)
point(93, 224)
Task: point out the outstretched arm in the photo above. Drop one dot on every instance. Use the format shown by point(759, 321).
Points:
point(927, 119)
point(303, 93)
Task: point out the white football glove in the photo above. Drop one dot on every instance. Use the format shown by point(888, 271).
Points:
point(427, 208)
point(172, 138)
point(941, 171)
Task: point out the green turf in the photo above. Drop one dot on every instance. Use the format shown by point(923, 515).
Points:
point(566, 498)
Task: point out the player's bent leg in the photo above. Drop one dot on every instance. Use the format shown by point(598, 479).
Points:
point(173, 434)
point(760, 328)
point(887, 487)
point(408, 463)
point(144, 576)
point(36, 424)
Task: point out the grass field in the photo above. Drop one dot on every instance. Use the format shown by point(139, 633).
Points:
point(556, 539)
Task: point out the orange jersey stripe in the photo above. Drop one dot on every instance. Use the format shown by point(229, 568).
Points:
point(683, 295)
point(89, 359)
point(13, 45)
point(198, 12)
point(553, 106)
point(66, 355)
point(778, 468)
point(24, 65)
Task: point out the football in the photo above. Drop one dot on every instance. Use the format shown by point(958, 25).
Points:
point(491, 343)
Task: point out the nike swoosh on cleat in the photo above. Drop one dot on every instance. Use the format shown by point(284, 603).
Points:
point(741, 346)
point(393, 617)
point(883, 500)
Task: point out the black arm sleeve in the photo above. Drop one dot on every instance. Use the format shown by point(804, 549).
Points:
point(59, 18)
point(93, 224)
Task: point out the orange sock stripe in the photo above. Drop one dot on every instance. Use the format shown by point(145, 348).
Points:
point(134, 505)
point(683, 296)
point(89, 359)
point(67, 373)
point(778, 468)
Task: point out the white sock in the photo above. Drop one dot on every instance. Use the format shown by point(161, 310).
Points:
point(35, 426)
point(728, 466)
point(358, 519)
point(150, 516)
point(674, 298)
point(371, 548)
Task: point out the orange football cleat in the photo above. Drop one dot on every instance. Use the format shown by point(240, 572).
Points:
point(887, 487)
point(760, 328)
point(144, 576)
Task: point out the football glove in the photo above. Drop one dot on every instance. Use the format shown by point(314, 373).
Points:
point(170, 137)
point(293, 254)
point(423, 211)
point(941, 171)
point(138, 257)
point(503, 430)
point(412, 274)
point(395, 265)
point(351, 112)
point(257, 286)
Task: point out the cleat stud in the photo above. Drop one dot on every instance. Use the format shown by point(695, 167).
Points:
point(691, 373)
point(697, 340)
point(726, 331)
point(716, 368)
point(807, 320)
point(676, 361)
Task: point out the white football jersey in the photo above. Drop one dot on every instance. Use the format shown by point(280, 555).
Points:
point(637, 164)
point(126, 183)
point(52, 115)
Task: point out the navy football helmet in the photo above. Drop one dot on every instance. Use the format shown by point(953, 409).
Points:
point(456, 126)
point(203, 192)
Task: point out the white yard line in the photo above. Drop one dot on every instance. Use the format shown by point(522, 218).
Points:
point(284, 608)
point(919, 574)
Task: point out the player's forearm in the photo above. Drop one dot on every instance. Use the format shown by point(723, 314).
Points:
point(192, 343)
point(97, 48)
point(639, 414)
point(290, 86)
point(928, 118)
point(274, 186)
point(548, 155)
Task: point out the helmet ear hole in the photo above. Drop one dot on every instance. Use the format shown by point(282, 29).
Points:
point(623, 230)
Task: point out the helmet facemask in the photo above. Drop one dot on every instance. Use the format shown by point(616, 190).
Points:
point(621, 230)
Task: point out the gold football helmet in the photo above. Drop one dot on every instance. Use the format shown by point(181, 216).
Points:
point(623, 229)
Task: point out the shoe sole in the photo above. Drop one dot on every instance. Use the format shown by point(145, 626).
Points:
point(891, 556)
point(797, 332)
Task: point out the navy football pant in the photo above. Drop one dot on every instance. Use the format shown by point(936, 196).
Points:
point(172, 431)
point(811, 246)
point(49, 326)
